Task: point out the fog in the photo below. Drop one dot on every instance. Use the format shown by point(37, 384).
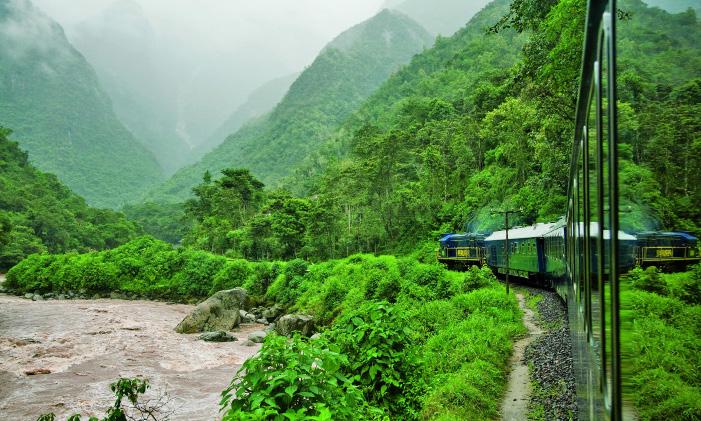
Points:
point(195, 61)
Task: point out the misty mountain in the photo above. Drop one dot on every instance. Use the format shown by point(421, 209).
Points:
point(51, 98)
point(259, 102)
point(346, 72)
point(139, 73)
point(439, 17)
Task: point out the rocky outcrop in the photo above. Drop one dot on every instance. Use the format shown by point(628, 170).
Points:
point(218, 312)
point(218, 336)
point(291, 323)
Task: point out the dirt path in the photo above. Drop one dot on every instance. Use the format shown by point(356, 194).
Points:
point(87, 344)
point(514, 407)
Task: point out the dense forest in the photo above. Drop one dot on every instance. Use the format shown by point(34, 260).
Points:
point(454, 133)
point(51, 98)
point(39, 214)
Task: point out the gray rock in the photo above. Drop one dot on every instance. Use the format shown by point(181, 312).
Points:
point(262, 321)
point(273, 313)
point(60, 297)
point(219, 336)
point(37, 297)
point(257, 337)
point(295, 323)
point(29, 295)
point(218, 312)
point(315, 337)
point(270, 327)
point(246, 317)
point(249, 343)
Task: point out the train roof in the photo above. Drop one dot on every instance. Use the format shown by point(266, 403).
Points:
point(531, 231)
point(462, 235)
point(594, 231)
point(658, 234)
point(541, 229)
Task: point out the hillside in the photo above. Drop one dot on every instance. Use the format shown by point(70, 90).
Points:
point(130, 62)
point(38, 213)
point(52, 99)
point(346, 72)
point(259, 102)
point(439, 17)
point(474, 124)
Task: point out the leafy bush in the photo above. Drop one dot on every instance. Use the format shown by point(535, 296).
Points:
point(292, 379)
point(648, 280)
point(381, 358)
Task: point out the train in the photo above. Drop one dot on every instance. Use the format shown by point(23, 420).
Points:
point(538, 252)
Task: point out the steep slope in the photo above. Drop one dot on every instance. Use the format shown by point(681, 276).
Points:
point(346, 72)
point(439, 17)
point(259, 102)
point(51, 97)
point(478, 123)
point(38, 213)
point(132, 66)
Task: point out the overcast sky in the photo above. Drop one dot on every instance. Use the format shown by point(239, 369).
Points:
point(228, 48)
point(225, 24)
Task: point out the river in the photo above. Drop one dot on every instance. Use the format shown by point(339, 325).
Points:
point(87, 344)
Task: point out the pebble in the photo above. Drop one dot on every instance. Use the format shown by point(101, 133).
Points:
point(552, 361)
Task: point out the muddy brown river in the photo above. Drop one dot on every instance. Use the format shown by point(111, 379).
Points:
point(87, 344)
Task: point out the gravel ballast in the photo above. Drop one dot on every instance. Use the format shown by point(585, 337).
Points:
point(551, 362)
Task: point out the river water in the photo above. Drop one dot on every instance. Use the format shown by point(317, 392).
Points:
point(87, 344)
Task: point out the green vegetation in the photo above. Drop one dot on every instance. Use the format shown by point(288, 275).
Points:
point(39, 214)
point(51, 98)
point(405, 339)
point(346, 72)
point(661, 341)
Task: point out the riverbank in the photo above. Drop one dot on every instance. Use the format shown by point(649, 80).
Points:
point(87, 344)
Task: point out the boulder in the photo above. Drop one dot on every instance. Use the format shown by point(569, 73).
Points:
point(29, 295)
point(218, 312)
point(37, 297)
point(257, 337)
point(295, 323)
point(247, 317)
point(218, 336)
point(272, 313)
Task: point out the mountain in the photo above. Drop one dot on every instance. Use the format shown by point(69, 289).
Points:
point(137, 70)
point(38, 213)
point(51, 98)
point(259, 102)
point(346, 72)
point(439, 17)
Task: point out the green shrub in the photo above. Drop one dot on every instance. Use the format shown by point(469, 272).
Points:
point(648, 280)
point(233, 274)
point(664, 396)
point(292, 379)
point(472, 393)
point(381, 357)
